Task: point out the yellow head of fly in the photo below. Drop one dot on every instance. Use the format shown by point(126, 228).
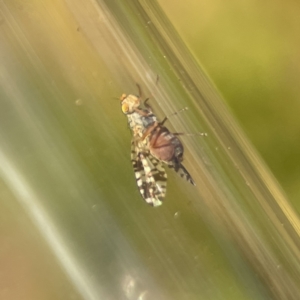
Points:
point(129, 103)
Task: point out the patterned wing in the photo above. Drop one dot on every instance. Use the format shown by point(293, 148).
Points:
point(150, 175)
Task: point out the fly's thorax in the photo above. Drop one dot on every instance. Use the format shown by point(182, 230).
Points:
point(135, 120)
point(149, 119)
point(129, 103)
point(142, 121)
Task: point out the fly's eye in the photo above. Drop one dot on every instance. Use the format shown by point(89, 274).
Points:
point(123, 97)
point(125, 108)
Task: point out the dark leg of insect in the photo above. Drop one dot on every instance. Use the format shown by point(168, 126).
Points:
point(157, 80)
point(140, 111)
point(173, 114)
point(140, 90)
point(146, 100)
point(190, 134)
point(148, 106)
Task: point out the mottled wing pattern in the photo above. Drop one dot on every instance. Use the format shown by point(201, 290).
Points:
point(150, 175)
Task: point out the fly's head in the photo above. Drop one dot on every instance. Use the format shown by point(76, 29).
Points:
point(129, 103)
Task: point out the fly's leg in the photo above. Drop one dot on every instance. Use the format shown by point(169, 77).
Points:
point(190, 134)
point(140, 90)
point(149, 108)
point(173, 114)
point(147, 105)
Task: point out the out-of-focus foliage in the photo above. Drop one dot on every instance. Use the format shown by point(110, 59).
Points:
point(251, 50)
point(68, 193)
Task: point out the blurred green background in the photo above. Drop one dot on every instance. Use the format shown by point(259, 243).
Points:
point(73, 225)
point(251, 51)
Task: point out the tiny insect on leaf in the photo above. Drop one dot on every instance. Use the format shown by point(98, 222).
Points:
point(152, 146)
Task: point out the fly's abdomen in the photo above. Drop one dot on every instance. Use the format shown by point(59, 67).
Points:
point(164, 145)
